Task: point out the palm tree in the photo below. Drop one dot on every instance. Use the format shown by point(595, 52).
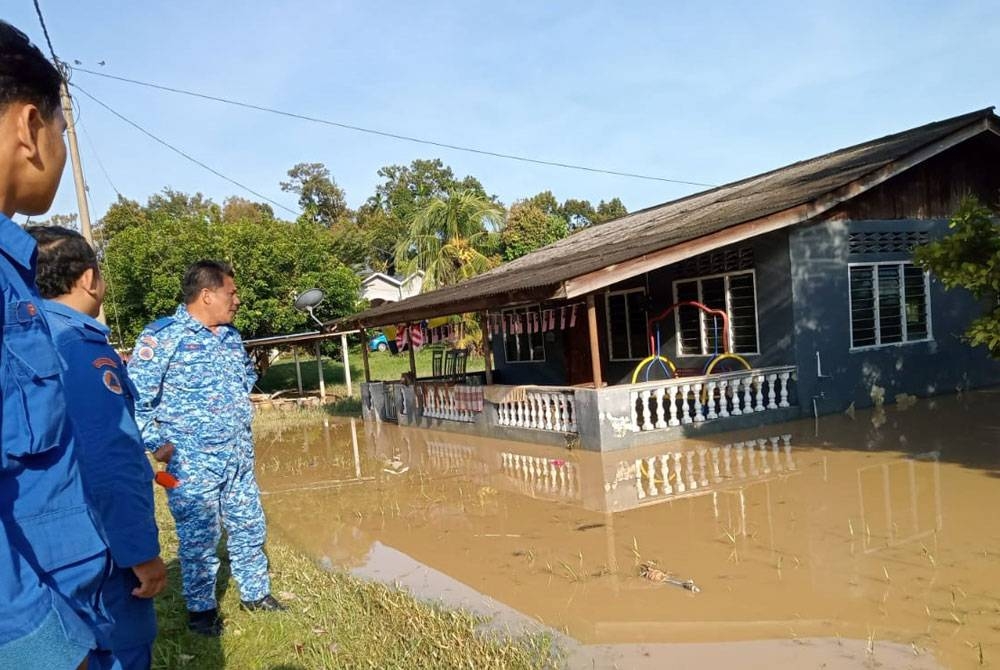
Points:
point(452, 238)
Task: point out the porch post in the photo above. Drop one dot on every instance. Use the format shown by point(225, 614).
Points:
point(487, 352)
point(408, 338)
point(319, 368)
point(347, 367)
point(364, 355)
point(298, 368)
point(595, 350)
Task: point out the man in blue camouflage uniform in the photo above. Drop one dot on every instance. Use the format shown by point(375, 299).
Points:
point(52, 556)
point(194, 378)
point(116, 473)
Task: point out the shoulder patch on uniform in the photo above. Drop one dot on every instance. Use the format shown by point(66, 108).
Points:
point(104, 362)
point(145, 353)
point(112, 383)
point(160, 324)
point(149, 340)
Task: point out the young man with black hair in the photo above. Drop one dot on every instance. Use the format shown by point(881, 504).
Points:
point(116, 474)
point(194, 379)
point(52, 556)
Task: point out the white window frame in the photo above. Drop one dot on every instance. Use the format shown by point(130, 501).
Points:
point(729, 313)
point(526, 308)
point(628, 324)
point(902, 301)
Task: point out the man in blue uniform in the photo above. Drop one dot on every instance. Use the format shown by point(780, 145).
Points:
point(194, 379)
point(52, 557)
point(116, 473)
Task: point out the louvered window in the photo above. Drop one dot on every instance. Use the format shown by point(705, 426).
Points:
point(890, 304)
point(626, 312)
point(700, 334)
point(523, 339)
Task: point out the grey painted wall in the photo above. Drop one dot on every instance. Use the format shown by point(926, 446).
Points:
point(820, 287)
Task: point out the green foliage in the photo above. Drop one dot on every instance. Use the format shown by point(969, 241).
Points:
point(145, 262)
point(969, 258)
point(387, 217)
point(321, 200)
point(528, 228)
point(451, 238)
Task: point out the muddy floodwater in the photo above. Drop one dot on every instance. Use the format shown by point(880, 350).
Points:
point(871, 540)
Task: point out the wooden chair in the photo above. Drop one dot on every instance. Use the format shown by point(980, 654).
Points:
point(461, 359)
point(437, 360)
point(449, 362)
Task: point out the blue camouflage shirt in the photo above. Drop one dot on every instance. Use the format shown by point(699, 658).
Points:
point(193, 384)
point(45, 523)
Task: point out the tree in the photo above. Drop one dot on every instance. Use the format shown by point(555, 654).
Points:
point(579, 214)
point(451, 238)
point(606, 211)
point(62, 220)
point(320, 198)
point(273, 261)
point(528, 227)
point(387, 216)
point(969, 258)
point(121, 215)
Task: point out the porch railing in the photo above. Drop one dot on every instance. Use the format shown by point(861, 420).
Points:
point(674, 473)
point(551, 409)
point(673, 402)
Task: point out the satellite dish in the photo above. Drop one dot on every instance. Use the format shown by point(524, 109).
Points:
point(307, 300)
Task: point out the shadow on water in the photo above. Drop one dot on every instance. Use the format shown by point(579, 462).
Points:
point(865, 528)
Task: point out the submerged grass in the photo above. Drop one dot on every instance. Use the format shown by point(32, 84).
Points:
point(334, 621)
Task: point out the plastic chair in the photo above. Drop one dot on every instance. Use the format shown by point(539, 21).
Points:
point(449, 362)
point(437, 360)
point(461, 359)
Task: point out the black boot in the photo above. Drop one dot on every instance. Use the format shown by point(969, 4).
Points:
point(207, 623)
point(265, 604)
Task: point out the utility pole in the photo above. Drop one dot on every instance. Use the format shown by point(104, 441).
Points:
point(74, 154)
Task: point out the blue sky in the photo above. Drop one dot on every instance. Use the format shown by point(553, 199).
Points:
point(707, 93)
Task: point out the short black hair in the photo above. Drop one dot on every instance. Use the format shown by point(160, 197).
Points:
point(25, 74)
point(63, 257)
point(202, 275)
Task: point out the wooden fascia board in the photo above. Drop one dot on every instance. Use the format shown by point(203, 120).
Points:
point(594, 281)
point(476, 304)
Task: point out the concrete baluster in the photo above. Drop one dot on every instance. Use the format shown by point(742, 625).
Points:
point(661, 415)
point(672, 392)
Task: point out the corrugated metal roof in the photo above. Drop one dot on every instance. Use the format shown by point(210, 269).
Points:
point(540, 274)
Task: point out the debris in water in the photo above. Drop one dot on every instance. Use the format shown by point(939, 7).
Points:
point(648, 570)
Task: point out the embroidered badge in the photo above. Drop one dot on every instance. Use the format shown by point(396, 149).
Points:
point(104, 362)
point(194, 346)
point(145, 353)
point(149, 340)
point(32, 310)
point(112, 383)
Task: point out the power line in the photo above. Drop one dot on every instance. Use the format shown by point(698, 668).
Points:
point(396, 136)
point(185, 155)
point(100, 163)
point(45, 31)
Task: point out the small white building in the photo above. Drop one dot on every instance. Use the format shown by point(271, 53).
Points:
point(378, 288)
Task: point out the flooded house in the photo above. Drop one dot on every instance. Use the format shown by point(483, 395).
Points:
point(788, 294)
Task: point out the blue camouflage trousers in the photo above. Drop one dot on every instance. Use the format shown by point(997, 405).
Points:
point(218, 485)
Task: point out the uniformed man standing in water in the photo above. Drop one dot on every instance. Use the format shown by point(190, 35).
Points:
point(194, 378)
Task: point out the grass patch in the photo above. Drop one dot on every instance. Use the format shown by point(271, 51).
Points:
point(335, 621)
point(383, 365)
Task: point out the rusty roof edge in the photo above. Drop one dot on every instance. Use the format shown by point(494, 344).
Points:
point(983, 120)
point(592, 281)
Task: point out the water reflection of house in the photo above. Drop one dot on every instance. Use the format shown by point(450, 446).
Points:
point(810, 264)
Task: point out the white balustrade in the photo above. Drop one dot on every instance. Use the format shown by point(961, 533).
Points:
point(549, 410)
point(674, 402)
